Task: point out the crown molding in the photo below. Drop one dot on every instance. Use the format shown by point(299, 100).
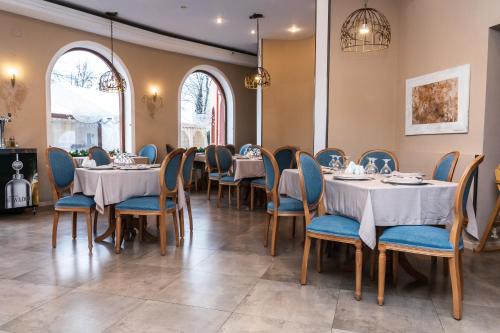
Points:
point(53, 13)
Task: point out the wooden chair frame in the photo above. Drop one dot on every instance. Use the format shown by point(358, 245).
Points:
point(492, 220)
point(156, 151)
point(390, 153)
point(273, 195)
point(223, 183)
point(164, 194)
point(454, 257)
point(320, 210)
point(57, 194)
point(187, 184)
point(456, 156)
point(342, 153)
point(94, 148)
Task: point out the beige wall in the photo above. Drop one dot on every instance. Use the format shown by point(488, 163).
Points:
point(367, 92)
point(287, 106)
point(30, 45)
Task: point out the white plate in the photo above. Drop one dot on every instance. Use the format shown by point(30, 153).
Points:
point(103, 167)
point(353, 177)
point(134, 168)
point(403, 181)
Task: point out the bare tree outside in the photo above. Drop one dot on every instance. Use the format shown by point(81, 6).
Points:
point(81, 76)
point(196, 90)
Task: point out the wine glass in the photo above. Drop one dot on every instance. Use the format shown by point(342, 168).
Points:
point(386, 169)
point(371, 168)
point(333, 161)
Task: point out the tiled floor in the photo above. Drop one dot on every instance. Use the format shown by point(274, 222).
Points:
point(221, 279)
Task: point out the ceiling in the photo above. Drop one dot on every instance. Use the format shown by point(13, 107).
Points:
point(198, 20)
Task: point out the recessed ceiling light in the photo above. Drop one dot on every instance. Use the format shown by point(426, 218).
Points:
point(293, 29)
point(252, 32)
point(218, 20)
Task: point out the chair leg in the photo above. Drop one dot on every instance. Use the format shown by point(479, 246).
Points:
point(96, 216)
point(238, 197)
point(304, 228)
point(176, 228)
point(141, 228)
point(455, 288)
point(252, 194)
point(294, 220)
point(181, 222)
point(266, 235)
point(319, 254)
point(54, 229)
point(190, 215)
point(89, 231)
point(305, 260)
point(73, 226)
point(381, 275)
point(163, 235)
point(118, 232)
point(209, 183)
point(359, 269)
point(229, 195)
point(219, 197)
point(274, 236)
point(395, 266)
point(461, 272)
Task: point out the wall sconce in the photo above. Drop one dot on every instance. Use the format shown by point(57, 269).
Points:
point(153, 101)
point(12, 73)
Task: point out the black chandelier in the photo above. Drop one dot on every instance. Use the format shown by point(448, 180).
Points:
point(112, 81)
point(259, 77)
point(365, 30)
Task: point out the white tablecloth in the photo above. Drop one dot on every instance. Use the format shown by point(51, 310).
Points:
point(137, 160)
point(373, 203)
point(114, 186)
point(248, 168)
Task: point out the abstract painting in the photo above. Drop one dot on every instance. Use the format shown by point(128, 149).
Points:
point(438, 103)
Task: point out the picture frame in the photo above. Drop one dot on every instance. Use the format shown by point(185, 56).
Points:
point(438, 103)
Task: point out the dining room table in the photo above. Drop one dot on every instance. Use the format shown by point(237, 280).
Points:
point(243, 166)
point(110, 186)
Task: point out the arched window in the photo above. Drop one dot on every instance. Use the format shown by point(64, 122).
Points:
point(203, 111)
point(81, 116)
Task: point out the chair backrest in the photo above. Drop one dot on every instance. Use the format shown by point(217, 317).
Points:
point(210, 161)
point(285, 157)
point(169, 148)
point(169, 172)
point(325, 156)
point(150, 151)
point(187, 167)
point(311, 179)
point(99, 155)
point(497, 175)
point(61, 170)
point(445, 168)
point(272, 176)
point(224, 159)
point(244, 148)
point(231, 148)
point(380, 154)
point(461, 197)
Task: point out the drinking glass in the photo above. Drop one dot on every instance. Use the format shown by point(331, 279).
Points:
point(371, 168)
point(333, 161)
point(386, 169)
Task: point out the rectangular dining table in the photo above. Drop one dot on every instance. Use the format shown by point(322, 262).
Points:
point(373, 203)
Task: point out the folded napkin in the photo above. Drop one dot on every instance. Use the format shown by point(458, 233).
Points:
point(88, 163)
point(353, 169)
point(407, 174)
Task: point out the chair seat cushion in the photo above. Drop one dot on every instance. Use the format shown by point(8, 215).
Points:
point(287, 205)
point(76, 201)
point(259, 182)
point(334, 225)
point(228, 179)
point(149, 203)
point(216, 175)
point(420, 236)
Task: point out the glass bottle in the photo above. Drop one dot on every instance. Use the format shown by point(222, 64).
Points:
point(18, 189)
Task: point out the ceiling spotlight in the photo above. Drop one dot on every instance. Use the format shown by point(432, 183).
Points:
point(293, 29)
point(252, 32)
point(218, 20)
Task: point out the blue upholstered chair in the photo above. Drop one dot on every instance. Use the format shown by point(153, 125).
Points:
point(187, 182)
point(211, 168)
point(61, 172)
point(445, 168)
point(150, 151)
point(224, 161)
point(277, 206)
point(433, 241)
point(99, 155)
point(325, 156)
point(244, 148)
point(380, 154)
point(333, 228)
point(155, 205)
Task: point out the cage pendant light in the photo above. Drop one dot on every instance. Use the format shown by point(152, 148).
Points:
point(112, 81)
point(259, 77)
point(365, 30)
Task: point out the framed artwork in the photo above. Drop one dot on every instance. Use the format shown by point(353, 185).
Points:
point(438, 103)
